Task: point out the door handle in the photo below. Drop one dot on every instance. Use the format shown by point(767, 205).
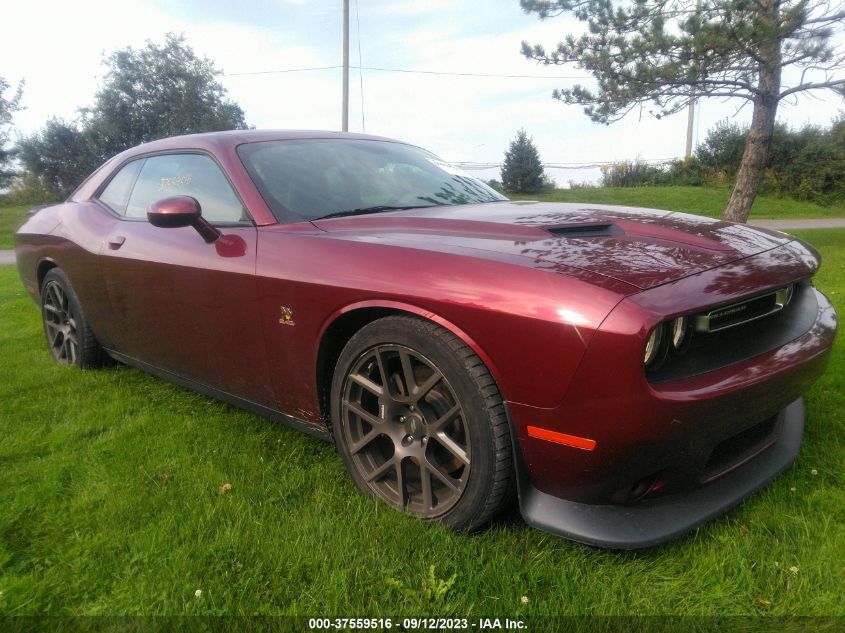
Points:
point(116, 241)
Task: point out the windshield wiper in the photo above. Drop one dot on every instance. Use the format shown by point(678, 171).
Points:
point(375, 209)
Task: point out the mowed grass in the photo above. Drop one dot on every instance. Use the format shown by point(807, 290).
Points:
point(111, 503)
point(10, 218)
point(709, 201)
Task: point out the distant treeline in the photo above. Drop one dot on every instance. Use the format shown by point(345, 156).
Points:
point(806, 164)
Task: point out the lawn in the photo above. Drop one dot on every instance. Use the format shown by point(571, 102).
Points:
point(709, 201)
point(10, 217)
point(113, 502)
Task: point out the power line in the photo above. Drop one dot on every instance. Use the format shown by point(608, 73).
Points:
point(283, 70)
point(470, 166)
point(463, 165)
point(401, 70)
point(466, 74)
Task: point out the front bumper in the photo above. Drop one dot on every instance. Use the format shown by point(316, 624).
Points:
point(656, 459)
point(658, 520)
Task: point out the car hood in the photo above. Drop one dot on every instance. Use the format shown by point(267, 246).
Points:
point(640, 247)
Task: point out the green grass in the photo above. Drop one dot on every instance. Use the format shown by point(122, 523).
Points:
point(110, 503)
point(10, 218)
point(709, 201)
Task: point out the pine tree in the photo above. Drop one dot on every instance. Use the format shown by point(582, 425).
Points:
point(665, 52)
point(522, 171)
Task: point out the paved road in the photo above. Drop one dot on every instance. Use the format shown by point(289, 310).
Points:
point(781, 225)
point(8, 257)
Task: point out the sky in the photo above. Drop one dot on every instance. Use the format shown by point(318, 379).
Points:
point(58, 47)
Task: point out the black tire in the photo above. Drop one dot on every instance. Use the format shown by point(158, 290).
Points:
point(438, 448)
point(69, 336)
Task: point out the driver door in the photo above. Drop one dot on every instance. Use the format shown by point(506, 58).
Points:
point(181, 304)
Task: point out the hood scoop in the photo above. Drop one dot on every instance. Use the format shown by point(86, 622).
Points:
point(593, 229)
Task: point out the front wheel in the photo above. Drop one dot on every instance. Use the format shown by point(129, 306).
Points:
point(69, 337)
point(420, 423)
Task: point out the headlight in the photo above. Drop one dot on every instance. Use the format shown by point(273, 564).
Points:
point(679, 332)
point(652, 346)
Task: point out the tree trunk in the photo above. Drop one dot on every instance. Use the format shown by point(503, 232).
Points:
point(756, 152)
point(753, 163)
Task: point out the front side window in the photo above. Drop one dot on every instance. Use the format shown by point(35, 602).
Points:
point(313, 178)
point(116, 194)
point(193, 175)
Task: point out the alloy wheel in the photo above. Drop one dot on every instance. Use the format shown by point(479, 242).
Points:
point(405, 430)
point(60, 324)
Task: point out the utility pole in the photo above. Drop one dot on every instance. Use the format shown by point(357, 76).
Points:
point(691, 115)
point(345, 121)
point(690, 121)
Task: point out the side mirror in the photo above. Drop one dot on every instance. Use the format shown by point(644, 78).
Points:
point(179, 211)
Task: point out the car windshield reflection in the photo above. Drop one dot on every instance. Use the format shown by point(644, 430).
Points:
point(318, 178)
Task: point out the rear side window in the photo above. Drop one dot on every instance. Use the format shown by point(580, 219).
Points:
point(116, 194)
point(186, 175)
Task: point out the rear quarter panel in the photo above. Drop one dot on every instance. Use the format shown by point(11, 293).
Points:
point(69, 236)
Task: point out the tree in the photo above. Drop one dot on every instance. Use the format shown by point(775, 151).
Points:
point(522, 171)
point(8, 107)
point(59, 157)
point(666, 51)
point(158, 91)
point(721, 150)
point(150, 93)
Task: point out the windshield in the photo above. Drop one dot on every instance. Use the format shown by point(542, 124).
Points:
point(314, 178)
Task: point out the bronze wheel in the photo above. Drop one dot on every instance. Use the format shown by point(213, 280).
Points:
point(59, 324)
point(405, 430)
point(420, 423)
point(69, 338)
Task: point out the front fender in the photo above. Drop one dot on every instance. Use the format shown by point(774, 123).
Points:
point(424, 313)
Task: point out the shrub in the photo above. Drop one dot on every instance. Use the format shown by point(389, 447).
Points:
point(807, 164)
point(635, 173)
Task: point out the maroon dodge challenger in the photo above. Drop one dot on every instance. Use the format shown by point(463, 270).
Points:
point(627, 374)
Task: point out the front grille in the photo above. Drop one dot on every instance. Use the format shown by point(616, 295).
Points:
point(744, 311)
point(736, 450)
point(708, 351)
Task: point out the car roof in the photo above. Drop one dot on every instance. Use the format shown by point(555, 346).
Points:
point(221, 144)
point(231, 138)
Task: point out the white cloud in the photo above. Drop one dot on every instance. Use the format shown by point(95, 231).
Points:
point(408, 7)
point(57, 47)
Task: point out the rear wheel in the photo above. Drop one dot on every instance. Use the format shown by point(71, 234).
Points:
point(69, 337)
point(420, 423)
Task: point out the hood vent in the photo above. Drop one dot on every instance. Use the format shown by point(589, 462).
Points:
point(598, 229)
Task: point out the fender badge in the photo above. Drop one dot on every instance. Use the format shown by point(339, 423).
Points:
point(287, 316)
